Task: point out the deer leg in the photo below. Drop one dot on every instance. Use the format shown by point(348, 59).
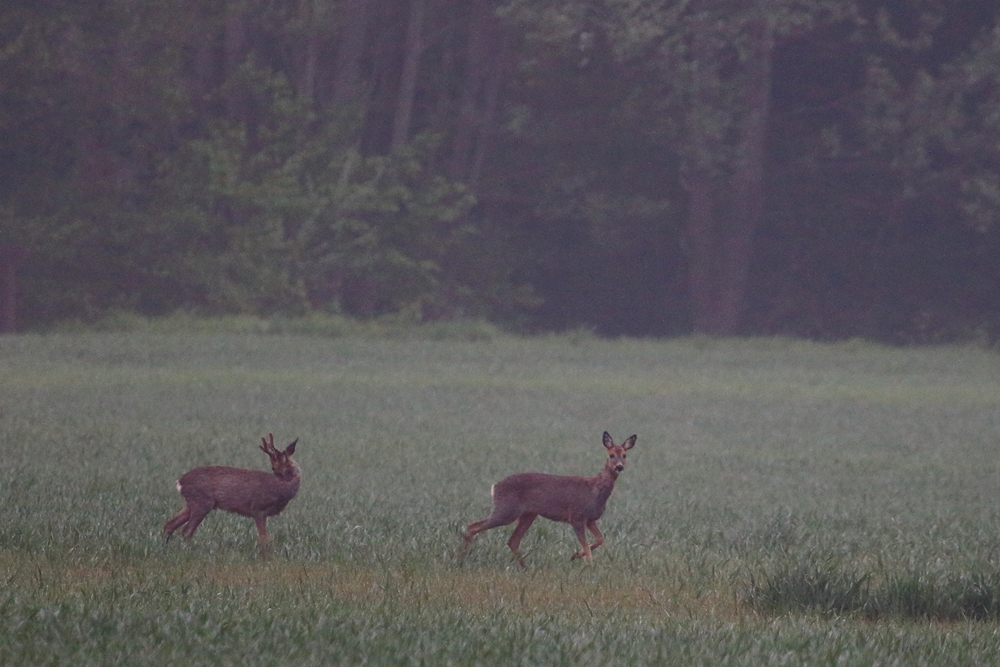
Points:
point(265, 545)
point(179, 520)
point(581, 534)
point(472, 530)
point(492, 521)
point(198, 513)
point(475, 528)
point(523, 524)
point(598, 538)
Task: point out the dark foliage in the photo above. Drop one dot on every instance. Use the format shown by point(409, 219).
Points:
point(816, 168)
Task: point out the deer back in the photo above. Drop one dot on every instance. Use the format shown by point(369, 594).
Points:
point(555, 497)
point(246, 492)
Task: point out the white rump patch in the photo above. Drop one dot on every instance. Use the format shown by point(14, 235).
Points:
point(178, 486)
point(491, 490)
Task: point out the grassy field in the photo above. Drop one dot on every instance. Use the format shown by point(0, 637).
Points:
point(786, 503)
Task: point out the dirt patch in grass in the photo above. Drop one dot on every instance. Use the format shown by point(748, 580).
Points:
point(594, 591)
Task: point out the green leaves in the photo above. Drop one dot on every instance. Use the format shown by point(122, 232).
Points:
point(285, 211)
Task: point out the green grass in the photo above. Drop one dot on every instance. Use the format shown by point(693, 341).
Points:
point(786, 502)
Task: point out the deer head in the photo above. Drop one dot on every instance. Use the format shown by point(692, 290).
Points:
point(281, 461)
point(616, 453)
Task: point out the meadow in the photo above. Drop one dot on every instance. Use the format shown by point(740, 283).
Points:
point(786, 502)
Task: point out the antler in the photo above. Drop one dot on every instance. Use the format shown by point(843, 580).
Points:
point(268, 447)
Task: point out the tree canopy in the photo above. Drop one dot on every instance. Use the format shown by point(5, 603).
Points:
point(820, 168)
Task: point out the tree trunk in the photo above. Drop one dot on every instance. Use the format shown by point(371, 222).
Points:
point(747, 188)
point(491, 101)
point(703, 260)
point(701, 180)
point(349, 52)
point(234, 51)
point(412, 50)
point(10, 260)
point(475, 73)
point(723, 216)
point(203, 77)
point(306, 79)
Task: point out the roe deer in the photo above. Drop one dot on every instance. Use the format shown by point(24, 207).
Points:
point(252, 493)
point(578, 501)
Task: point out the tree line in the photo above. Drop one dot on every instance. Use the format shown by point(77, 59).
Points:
point(818, 168)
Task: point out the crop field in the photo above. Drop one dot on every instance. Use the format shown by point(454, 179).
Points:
point(786, 502)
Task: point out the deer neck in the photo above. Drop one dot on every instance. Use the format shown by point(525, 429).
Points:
point(287, 489)
point(604, 483)
point(291, 478)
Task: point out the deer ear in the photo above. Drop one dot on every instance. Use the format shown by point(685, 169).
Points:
point(290, 449)
point(608, 442)
point(629, 444)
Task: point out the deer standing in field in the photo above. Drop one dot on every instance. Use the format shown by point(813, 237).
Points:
point(578, 501)
point(253, 493)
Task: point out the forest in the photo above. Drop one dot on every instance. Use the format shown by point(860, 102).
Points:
point(824, 169)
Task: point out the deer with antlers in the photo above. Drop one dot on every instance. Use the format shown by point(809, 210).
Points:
point(252, 493)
